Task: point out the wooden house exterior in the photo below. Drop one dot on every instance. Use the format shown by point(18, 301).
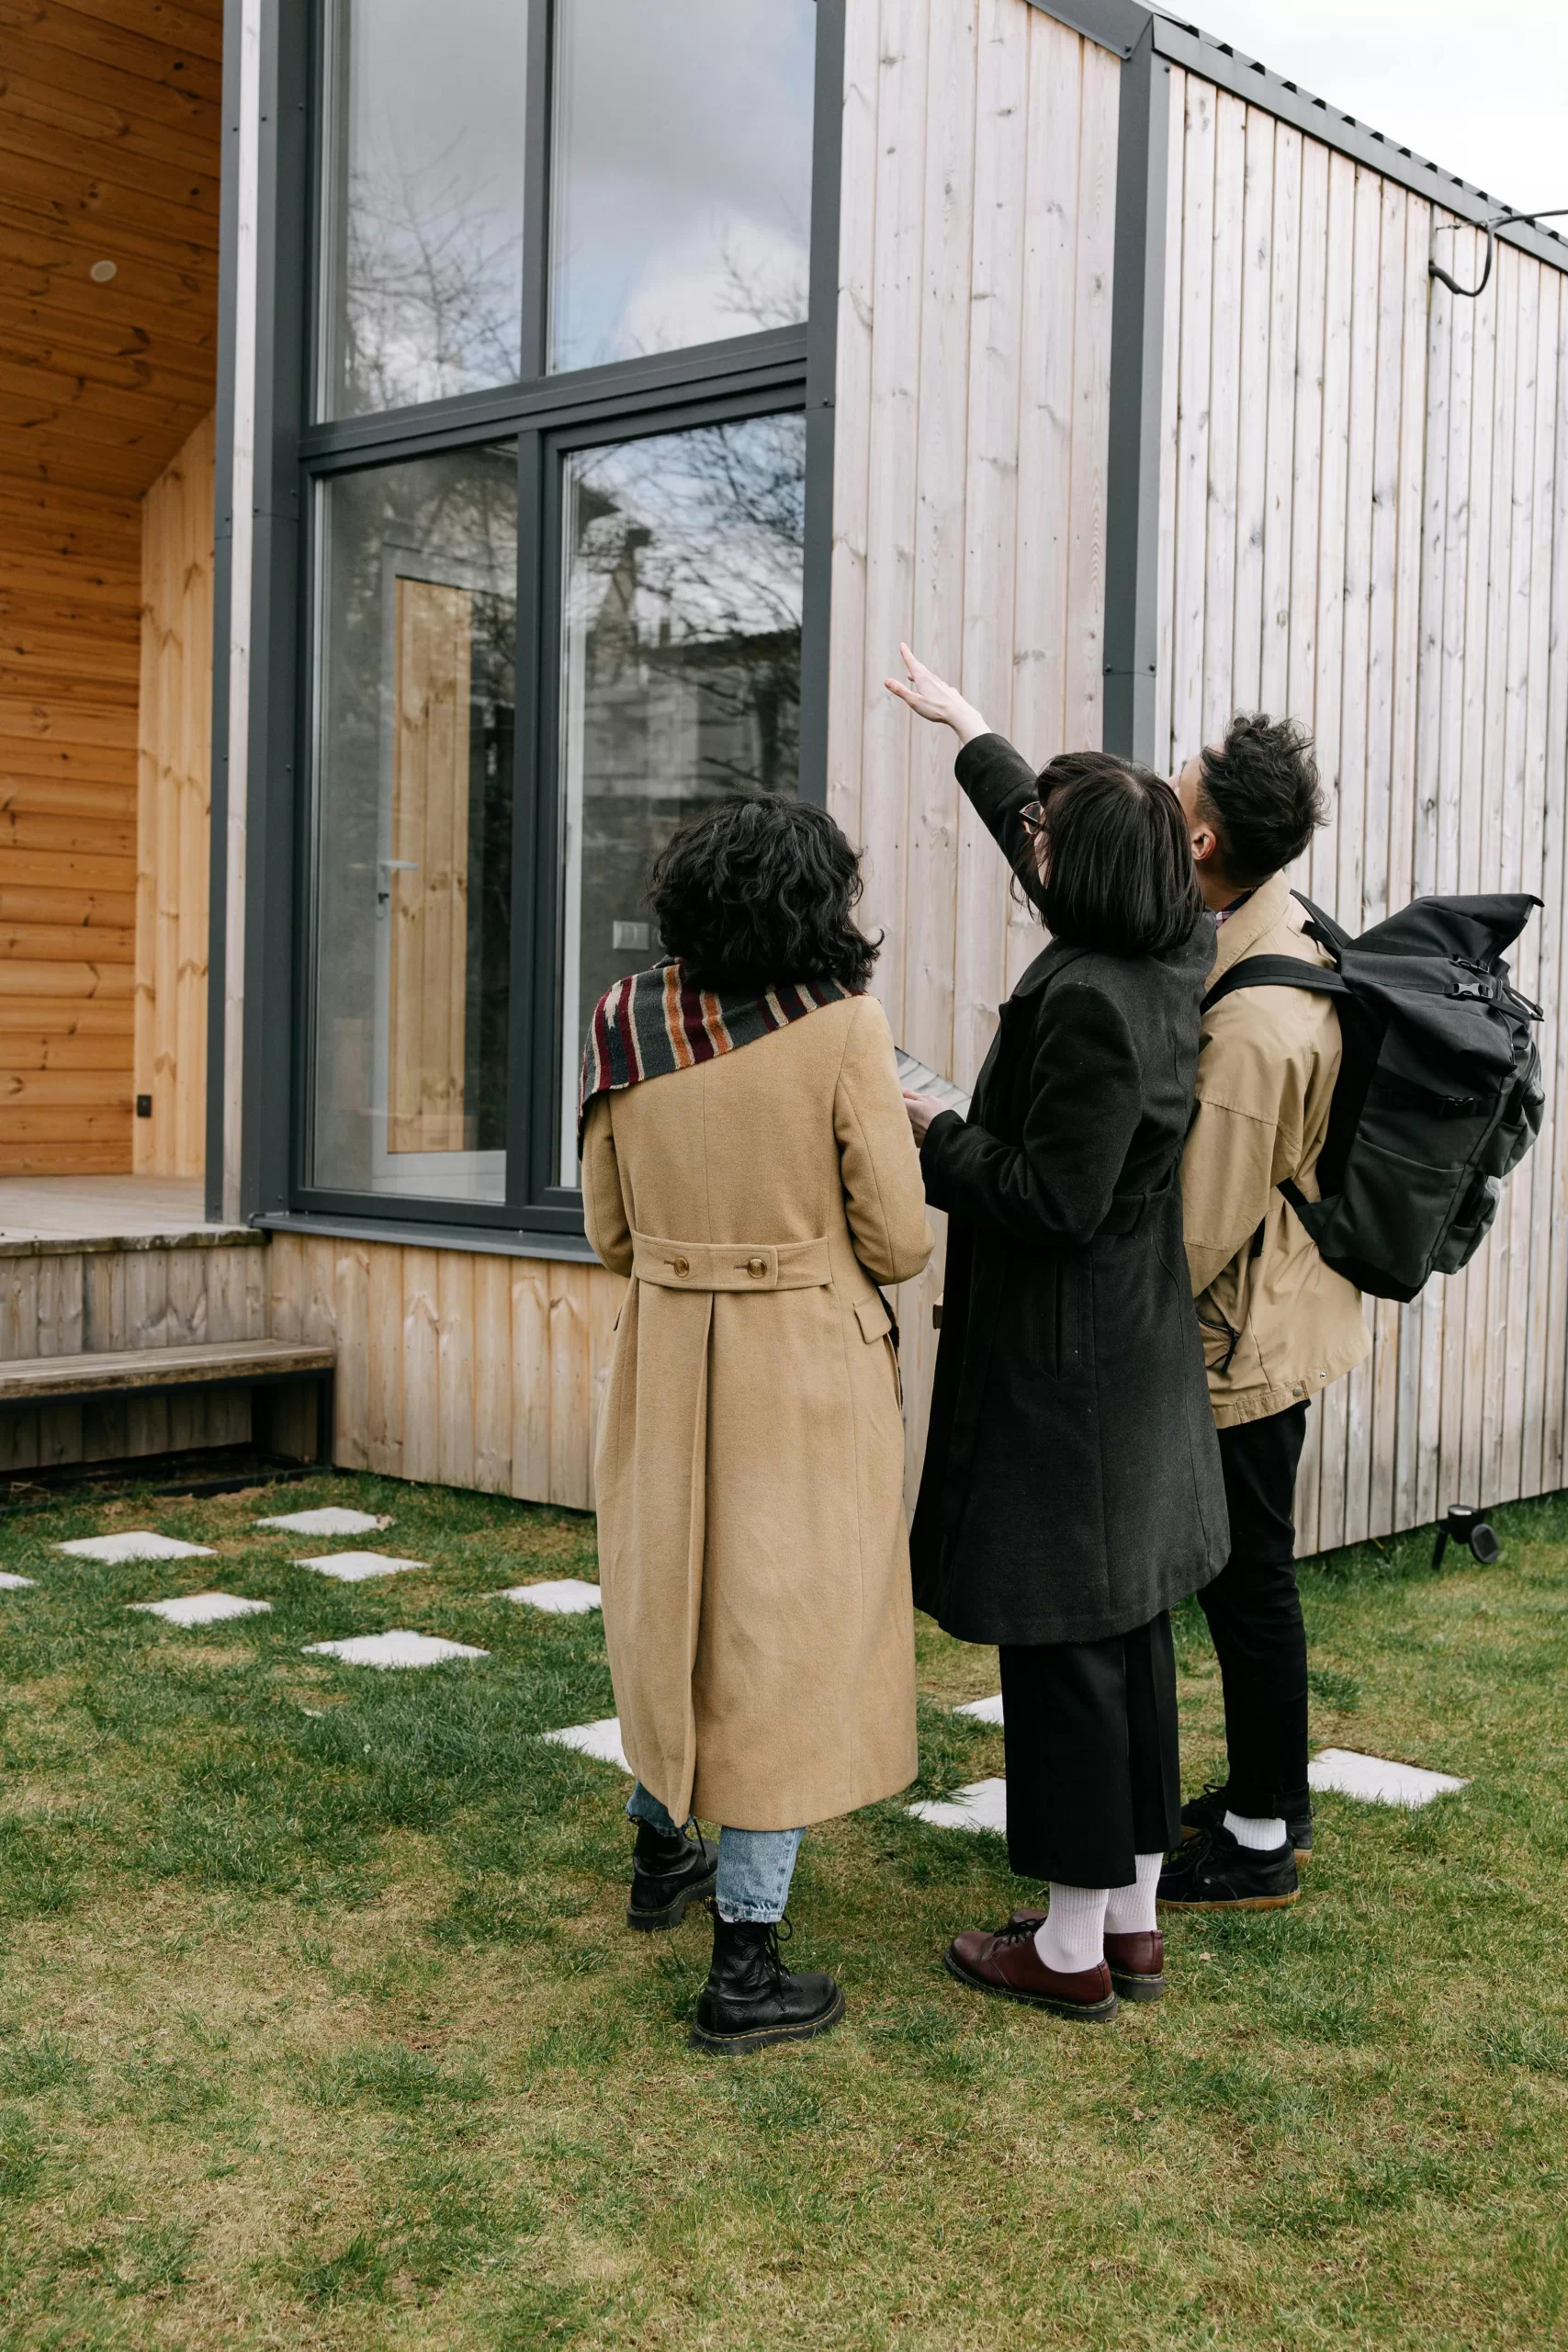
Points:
point(1089, 356)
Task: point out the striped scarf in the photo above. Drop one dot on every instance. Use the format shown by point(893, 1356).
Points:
point(655, 1021)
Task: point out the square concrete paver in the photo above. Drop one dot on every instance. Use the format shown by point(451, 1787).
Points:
point(398, 1647)
point(601, 1740)
point(357, 1568)
point(1377, 1779)
point(202, 1608)
point(982, 1805)
point(16, 1584)
point(330, 1520)
point(565, 1597)
point(138, 1543)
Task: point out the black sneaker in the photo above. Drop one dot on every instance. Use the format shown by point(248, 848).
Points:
point(1208, 1812)
point(670, 1870)
point(1212, 1872)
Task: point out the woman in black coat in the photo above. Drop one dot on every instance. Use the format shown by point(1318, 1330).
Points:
point(1071, 1492)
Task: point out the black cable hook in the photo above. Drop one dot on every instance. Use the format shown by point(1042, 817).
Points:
point(1503, 221)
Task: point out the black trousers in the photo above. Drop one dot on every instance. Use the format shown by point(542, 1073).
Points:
point(1254, 1610)
point(1092, 1762)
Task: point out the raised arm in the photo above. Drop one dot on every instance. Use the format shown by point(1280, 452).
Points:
point(998, 780)
point(880, 1169)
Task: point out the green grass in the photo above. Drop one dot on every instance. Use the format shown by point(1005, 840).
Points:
point(320, 2026)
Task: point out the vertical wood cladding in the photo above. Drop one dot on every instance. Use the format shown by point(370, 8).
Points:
point(1364, 520)
point(173, 811)
point(973, 351)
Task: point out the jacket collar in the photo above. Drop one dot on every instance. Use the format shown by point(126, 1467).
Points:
point(1059, 952)
point(1264, 912)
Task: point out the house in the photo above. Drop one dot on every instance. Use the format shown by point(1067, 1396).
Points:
point(595, 394)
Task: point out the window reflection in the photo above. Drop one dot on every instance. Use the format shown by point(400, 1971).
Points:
point(414, 785)
point(422, 289)
point(682, 173)
point(681, 674)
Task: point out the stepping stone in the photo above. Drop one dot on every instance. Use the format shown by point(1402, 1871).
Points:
point(982, 1805)
point(139, 1545)
point(354, 1567)
point(1377, 1779)
point(203, 1608)
point(601, 1740)
point(567, 1597)
point(398, 1647)
point(15, 1584)
point(333, 1520)
point(985, 1710)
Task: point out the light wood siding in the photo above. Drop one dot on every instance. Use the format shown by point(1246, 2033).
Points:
point(70, 1302)
point(174, 805)
point(1364, 520)
point(464, 1369)
point(979, 168)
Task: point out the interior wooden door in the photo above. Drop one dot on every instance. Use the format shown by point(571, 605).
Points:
point(428, 947)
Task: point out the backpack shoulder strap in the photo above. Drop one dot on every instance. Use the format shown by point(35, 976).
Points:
point(1276, 972)
point(1322, 926)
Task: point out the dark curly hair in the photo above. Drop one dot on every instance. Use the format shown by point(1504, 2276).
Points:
point(1259, 790)
point(758, 891)
point(1119, 873)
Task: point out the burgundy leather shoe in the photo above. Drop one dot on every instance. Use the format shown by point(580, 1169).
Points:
point(1136, 1965)
point(1007, 1965)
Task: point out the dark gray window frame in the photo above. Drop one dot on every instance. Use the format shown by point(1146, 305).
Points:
point(784, 369)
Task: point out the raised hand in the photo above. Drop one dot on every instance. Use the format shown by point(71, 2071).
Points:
point(931, 697)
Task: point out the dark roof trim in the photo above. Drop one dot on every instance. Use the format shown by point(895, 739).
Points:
point(1116, 25)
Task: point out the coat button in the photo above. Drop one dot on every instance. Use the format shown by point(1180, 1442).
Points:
point(682, 1265)
point(756, 1268)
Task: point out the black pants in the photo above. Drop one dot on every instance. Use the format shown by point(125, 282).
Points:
point(1092, 1763)
point(1254, 1616)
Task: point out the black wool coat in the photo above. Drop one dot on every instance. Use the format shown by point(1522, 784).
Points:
point(1071, 1487)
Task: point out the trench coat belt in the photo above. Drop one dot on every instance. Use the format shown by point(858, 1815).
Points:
point(730, 1265)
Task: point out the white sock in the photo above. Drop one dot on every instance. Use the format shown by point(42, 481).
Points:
point(1131, 1909)
point(1072, 1937)
point(1257, 1836)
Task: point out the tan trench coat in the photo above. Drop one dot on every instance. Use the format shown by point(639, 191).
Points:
point(754, 1556)
point(1278, 1324)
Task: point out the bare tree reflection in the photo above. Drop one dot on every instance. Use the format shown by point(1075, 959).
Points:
point(431, 293)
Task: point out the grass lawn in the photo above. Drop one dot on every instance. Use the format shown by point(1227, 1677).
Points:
point(318, 2024)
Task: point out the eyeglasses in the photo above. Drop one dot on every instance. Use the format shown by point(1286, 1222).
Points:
point(1032, 817)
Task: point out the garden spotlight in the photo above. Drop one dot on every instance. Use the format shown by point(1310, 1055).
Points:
point(1469, 1526)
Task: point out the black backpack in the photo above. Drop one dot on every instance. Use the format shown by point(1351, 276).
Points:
point(1439, 1094)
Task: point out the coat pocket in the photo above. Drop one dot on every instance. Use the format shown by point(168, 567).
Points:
point(876, 1323)
point(1068, 1336)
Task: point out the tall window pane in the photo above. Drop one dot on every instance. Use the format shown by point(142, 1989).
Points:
point(681, 671)
point(414, 796)
point(422, 272)
point(682, 173)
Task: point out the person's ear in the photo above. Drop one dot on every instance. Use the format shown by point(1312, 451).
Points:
point(1205, 842)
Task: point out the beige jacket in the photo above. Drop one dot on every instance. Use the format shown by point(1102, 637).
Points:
point(1278, 1324)
point(752, 1548)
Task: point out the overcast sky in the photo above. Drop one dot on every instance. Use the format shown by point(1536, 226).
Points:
point(1480, 86)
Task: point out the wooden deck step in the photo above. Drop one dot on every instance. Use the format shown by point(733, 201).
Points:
point(34, 1380)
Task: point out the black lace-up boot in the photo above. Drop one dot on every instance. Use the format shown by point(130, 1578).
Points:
point(670, 1870)
point(750, 1999)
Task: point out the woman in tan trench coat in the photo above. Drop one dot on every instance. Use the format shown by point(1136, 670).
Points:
point(747, 1161)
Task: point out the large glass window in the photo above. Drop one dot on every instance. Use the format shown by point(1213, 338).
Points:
point(681, 194)
point(422, 284)
point(556, 593)
point(414, 793)
point(681, 673)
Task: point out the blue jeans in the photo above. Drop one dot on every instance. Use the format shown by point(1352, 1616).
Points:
point(755, 1866)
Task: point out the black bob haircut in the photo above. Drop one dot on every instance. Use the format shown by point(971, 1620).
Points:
point(758, 891)
point(1259, 790)
point(1119, 873)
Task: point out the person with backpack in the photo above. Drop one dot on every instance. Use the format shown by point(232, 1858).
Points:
point(1358, 1103)
point(1278, 1323)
